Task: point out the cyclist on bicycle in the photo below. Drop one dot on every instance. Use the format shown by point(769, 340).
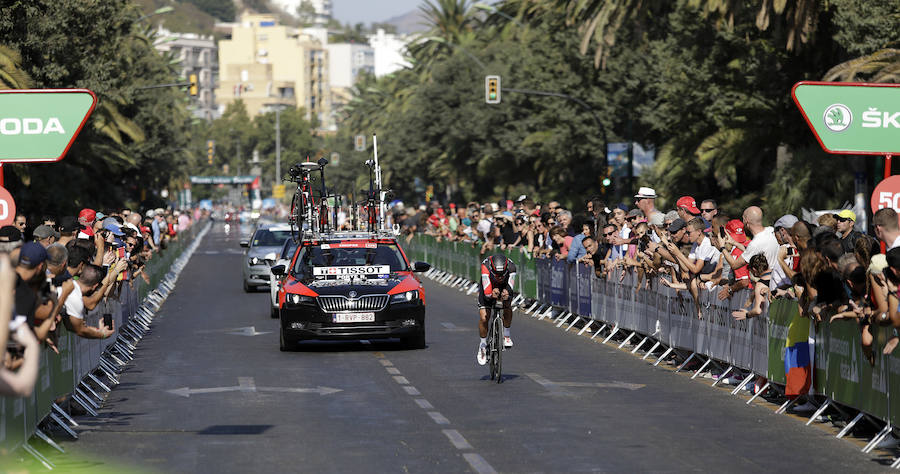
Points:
point(498, 276)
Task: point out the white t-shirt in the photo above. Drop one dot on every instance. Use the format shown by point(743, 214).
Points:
point(75, 303)
point(896, 243)
point(484, 228)
point(766, 244)
point(704, 251)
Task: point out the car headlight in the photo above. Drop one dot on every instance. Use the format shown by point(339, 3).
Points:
point(405, 297)
point(299, 299)
point(254, 260)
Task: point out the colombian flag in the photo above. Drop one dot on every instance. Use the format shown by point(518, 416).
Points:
point(797, 366)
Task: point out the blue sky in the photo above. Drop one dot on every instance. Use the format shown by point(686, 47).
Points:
point(368, 11)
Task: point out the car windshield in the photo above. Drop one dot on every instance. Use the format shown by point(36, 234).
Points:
point(288, 250)
point(270, 238)
point(316, 256)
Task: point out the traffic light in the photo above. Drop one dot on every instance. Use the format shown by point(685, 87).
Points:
point(492, 89)
point(210, 150)
point(193, 88)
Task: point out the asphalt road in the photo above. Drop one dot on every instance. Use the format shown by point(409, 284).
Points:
point(374, 407)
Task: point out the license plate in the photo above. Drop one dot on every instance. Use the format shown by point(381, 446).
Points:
point(354, 317)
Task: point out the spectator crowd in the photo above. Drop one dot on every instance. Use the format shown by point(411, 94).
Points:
point(833, 269)
point(53, 273)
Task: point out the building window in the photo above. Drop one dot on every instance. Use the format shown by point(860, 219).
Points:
point(286, 92)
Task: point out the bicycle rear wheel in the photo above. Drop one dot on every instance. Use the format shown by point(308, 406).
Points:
point(498, 346)
point(294, 218)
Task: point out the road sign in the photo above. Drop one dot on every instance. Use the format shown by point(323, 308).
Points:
point(492, 89)
point(7, 208)
point(222, 179)
point(278, 191)
point(886, 194)
point(851, 118)
point(360, 143)
point(41, 124)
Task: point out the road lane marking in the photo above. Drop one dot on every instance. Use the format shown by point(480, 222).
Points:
point(556, 385)
point(247, 384)
point(385, 362)
point(457, 439)
point(365, 341)
point(247, 331)
point(478, 463)
point(424, 404)
point(393, 371)
point(401, 380)
point(411, 390)
point(450, 327)
point(438, 418)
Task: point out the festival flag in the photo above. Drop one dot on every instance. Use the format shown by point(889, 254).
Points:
point(797, 365)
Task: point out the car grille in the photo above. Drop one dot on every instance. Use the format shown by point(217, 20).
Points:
point(363, 303)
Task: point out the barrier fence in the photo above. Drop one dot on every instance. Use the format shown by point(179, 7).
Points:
point(840, 370)
point(62, 374)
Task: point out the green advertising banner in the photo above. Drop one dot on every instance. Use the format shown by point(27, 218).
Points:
point(851, 118)
point(781, 312)
point(41, 124)
point(850, 378)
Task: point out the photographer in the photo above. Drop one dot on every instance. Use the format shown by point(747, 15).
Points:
point(81, 301)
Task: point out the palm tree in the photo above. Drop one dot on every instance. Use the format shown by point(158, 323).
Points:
point(11, 74)
point(599, 21)
point(881, 66)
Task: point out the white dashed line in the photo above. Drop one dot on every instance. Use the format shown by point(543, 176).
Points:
point(457, 439)
point(424, 404)
point(438, 418)
point(365, 341)
point(478, 464)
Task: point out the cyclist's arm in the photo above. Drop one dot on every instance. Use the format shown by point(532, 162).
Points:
point(486, 281)
point(511, 282)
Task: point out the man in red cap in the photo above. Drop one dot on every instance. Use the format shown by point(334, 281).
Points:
point(687, 208)
point(734, 231)
point(86, 218)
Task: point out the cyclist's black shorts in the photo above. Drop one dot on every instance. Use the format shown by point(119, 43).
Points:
point(486, 302)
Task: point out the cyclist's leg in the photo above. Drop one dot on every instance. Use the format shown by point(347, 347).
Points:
point(507, 322)
point(483, 305)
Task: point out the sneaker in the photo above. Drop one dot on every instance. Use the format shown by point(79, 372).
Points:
point(507, 342)
point(481, 355)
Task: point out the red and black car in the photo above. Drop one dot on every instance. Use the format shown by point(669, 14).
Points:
point(351, 286)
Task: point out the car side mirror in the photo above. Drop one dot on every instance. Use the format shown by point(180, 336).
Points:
point(421, 267)
point(245, 243)
point(278, 270)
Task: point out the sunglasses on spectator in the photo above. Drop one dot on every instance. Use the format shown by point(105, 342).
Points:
point(842, 219)
point(609, 233)
point(708, 210)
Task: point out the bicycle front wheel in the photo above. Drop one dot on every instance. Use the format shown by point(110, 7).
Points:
point(498, 347)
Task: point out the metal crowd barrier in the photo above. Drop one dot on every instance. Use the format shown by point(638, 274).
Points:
point(667, 320)
point(85, 367)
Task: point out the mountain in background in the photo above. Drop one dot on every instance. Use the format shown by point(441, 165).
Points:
point(412, 22)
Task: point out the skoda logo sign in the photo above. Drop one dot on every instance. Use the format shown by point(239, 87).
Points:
point(837, 117)
point(352, 294)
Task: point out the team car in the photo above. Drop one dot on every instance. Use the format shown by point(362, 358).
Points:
point(262, 250)
point(347, 285)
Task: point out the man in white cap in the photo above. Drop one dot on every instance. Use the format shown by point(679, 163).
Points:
point(645, 200)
